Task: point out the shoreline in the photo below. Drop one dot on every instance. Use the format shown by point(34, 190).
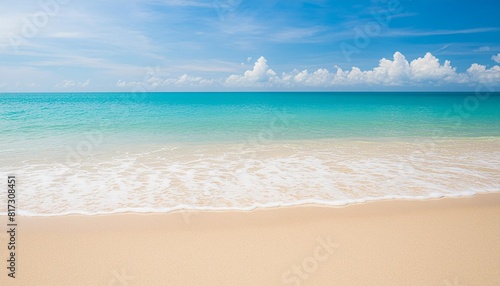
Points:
point(393, 242)
point(265, 175)
point(308, 203)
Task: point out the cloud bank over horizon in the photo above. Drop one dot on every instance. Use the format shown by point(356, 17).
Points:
point(395, 72)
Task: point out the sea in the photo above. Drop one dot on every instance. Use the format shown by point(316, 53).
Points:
point(104, 153)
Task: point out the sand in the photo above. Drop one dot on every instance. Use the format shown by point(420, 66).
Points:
point(451, 241)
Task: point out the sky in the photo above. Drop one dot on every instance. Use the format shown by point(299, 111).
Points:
point(243, 45)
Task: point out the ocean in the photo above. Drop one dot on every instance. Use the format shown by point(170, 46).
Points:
point(100, 153)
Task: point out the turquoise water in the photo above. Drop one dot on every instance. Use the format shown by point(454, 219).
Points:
point(219, 117)
point(115, 152)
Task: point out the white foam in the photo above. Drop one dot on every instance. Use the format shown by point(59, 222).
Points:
point(153, 179)
point(338, 203)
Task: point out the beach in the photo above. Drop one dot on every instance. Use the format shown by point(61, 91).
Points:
point(249, 143)
point(230, 177)
point(448, 241)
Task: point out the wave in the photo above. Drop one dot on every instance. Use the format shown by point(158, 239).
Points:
point(154, 178)
point(305, 202)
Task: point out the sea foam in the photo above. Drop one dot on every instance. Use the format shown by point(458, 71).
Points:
point(158, 178)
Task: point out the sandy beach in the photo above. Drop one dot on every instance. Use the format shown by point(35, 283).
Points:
point(450, 241)
point(250, 143)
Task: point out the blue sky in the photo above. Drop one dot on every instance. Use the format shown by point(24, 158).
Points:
point(177, 45)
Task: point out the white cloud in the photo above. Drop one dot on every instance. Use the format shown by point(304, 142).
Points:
point(482, 49)
point(155, 82)
point(83, 84)
point(192, 80)
point(398, 71)
point(260, 74)
point(428, 68)
point(122, 83)
point(389, 72)
point(395, 72)
point(295, 34)
point(480, 73)
point(72, 84)
point(321, 77)
point(496, 58)
point(68, 35)
point(405, 32)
